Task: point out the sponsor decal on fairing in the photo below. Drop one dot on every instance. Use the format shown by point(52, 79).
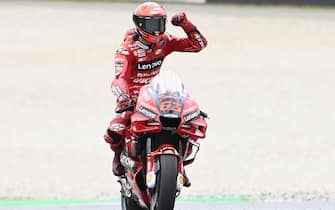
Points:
point(147, 113)
point(130, 164)
point(191, 116)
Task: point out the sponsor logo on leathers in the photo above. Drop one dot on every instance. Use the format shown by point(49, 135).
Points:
point(148, 74)
point(141, 53)
point(142, 80)
point(200, 41)
point(123, 51)
point(149, 65)
point(157, 52)
point(118, 67)
point(117, 127)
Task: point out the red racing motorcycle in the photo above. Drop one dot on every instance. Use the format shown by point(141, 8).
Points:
point(160, 141)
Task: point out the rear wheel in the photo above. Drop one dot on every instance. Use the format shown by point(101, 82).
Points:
point(166, 183)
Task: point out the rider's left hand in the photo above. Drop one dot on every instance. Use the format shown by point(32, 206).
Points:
point(123, 103)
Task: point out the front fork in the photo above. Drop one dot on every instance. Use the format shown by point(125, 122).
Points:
point(153, 165)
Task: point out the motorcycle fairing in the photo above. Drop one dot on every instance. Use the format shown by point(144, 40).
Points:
point(165, 149)
point(192, 123)
point(157, 100)
point(145, 118)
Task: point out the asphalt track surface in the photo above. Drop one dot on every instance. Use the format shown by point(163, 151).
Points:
point(266, 79)
point(311, 205)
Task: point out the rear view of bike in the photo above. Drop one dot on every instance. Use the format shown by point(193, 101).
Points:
point(160, 141)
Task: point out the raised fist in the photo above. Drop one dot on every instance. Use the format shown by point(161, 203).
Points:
point(180, 19)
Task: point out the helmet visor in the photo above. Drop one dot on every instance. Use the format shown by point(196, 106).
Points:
point(154, 25)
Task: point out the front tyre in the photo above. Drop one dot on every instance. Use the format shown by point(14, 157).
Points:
point(167, 182)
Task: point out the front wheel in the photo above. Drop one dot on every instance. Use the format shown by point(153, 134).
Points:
point(166, 183)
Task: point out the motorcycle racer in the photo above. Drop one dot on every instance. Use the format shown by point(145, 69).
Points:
point(139, 59)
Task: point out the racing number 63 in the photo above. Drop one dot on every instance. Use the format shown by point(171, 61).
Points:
point(170, 105)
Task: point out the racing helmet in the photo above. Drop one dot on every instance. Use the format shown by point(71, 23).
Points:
point(150, 19)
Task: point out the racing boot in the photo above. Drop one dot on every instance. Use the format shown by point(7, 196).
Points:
point(187, 181)
point(118, 169)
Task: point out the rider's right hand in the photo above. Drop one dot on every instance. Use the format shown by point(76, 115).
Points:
point(123, 103)
point(180, 19)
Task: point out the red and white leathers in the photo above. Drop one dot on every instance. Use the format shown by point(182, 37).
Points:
point(135, 66)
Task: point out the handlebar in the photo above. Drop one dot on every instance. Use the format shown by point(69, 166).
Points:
point(204, 114)
point(130, 108)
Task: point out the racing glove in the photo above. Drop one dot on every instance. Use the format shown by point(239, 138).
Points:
point(123, 102)
point(181, 20)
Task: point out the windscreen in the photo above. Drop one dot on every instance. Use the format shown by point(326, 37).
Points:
point(170, 92)
point(168, 83)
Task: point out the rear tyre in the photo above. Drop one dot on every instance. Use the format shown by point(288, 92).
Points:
point(167, 183)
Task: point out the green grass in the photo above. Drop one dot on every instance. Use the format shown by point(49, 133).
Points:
point(64, 202)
